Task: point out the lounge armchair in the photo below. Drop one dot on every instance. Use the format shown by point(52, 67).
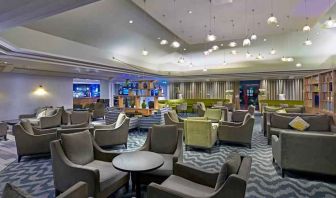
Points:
point(215, 115)
point(3, 130)
point(78, 190)
point(191, 182)
point(114, 134)
point(237, 133)
point(98, 110)
point(200, 109)
point(305, 151)
point(182, 108)
point(200, 133)
point(239, 115)
point(77, 157)
point(74, 128)
point(167, 141)
point(80, 117)
point(171, 118)
point(30, 141)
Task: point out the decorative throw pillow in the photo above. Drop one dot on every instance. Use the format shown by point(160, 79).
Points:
point(299, 124)
point(41, 114)
point(173, 115)
point(50, 112)
point(281, 111)
point(120, 120)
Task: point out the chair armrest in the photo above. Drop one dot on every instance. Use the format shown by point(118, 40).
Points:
point(276, 149)
point(234, 186)
point(38, 131)
point(102, 155)
point(178, 154)
point(109, 126)
point(146, 145)
point(230, 123)
point(79, 189)
point(195, 174)
point(155, 190)
point(181, 119)
point(27, 116)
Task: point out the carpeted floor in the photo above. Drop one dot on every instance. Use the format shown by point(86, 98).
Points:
point(35, 175)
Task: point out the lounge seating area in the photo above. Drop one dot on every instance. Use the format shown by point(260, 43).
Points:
point(167, 99)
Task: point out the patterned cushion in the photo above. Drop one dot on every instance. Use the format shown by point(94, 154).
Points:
point(164, 139)
point(173, 115)
point(78, 147)
point(120, 120)
point(11, 191)
point(27, 126)
point(299, 124)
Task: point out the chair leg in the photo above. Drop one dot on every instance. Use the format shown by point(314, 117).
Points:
point(282, 173)
point(125, 145)
point(57, 192)
point(5, 137)
point(19, 158)
point(127, 186)
point(273, 160)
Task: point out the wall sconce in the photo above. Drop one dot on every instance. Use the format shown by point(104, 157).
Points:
point(40, 91)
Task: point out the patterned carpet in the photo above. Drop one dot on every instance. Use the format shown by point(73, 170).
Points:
point(35, 175)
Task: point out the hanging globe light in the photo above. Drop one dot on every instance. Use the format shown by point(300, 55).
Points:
point(306, 28)
point(175, 44)
point(211, 37)
point(163, 42)
point(272, 20)
point(254, 37)
point(232, 44)
point(215, 47)
point(246, 42)
point(273, 51)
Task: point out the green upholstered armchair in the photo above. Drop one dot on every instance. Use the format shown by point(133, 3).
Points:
point(190, 182)
point(214, 115)
point(171, 118)
point(200, 133)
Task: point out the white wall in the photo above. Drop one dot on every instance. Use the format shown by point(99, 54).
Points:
point(17, 97)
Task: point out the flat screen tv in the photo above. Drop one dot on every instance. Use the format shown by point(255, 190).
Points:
point(86, 90)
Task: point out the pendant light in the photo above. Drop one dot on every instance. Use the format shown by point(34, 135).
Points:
point(175, 43)
point(246, 41)
point(307, 42)
point(211, 36)
point(272, 20)
point(306, 28)
point(144, 51)
point(285, 58)
point(232, 43)
point(329, 23)
point(163, 41)
point(253, 36)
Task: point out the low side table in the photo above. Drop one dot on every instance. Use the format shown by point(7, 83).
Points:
point(137, 162)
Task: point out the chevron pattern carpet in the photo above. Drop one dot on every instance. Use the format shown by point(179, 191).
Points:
point(35, 175)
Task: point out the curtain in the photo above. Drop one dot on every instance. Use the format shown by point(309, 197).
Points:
point(291, 88)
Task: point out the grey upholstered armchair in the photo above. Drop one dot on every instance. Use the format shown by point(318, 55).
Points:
point(79, 190)
point(77, 157)
point(240, 133)
point(201, 109)
point(113, 134)
point(98, 110)
point(74, 128)
point(30, 141)
point(171, 118)
point(167, 141)
point(3, 130)
point(238, 116)
point(79, 117)
point(190, 182)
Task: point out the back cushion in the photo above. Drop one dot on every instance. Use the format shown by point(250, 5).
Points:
point(246, 118)
point(78, 147)
point(173, 115)
point(271, 109)
point(293, 110)
point(318, 122)
point(41, 114)
point(164, 139)
point(120, 120)
point(280, 121)
point(50, 112)
point(27, 126)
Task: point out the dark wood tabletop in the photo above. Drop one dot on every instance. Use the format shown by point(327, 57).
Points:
point(138, 161)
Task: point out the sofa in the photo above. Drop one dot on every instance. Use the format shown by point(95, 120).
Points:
point(191, 182)
point(267, 110)
point(279, 103)
point(190, 102)
point(312, 152)
point(319, 123)
point(45, 118)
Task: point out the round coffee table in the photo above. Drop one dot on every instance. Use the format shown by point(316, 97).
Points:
point(137, 162)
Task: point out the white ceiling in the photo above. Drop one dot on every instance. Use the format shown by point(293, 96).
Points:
point(240, 11)
point(97, 32)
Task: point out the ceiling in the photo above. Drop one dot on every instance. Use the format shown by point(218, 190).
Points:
point(92, 37)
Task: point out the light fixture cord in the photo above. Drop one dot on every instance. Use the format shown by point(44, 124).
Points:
point(210, 13)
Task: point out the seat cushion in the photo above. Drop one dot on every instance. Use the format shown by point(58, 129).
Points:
point(166, 169)
point(27, 126)
point(78, 147)
point(11, 191)
point(120, 120)
point(108, 174)
point(187, 187)
point(164, 139)
point(173, 115)
point(299, 124)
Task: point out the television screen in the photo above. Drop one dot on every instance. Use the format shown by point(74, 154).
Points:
point(86, 90)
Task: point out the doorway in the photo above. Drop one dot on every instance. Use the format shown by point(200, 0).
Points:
point(248, 93)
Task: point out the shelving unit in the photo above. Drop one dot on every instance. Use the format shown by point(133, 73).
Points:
point(319, 92)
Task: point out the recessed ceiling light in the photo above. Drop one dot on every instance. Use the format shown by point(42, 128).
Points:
point(130, 21)
point(298, 65)
point(145, 52)
point(189, 11)
point(206, 52)
point(308, 42)
point(278, 25)
point(158, 38)
point(163, 42)
point(265, 39)
point(222, 44)
point(184, 49)
point(210, 50)
point(175, 44)
point(205, 69)
point(273, 51)
point(215, 47)
point(211, 37)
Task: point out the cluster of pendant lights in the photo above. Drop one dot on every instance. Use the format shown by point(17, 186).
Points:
point(272, 20)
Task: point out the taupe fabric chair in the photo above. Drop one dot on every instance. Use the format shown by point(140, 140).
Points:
point(171, 118)
point(74, 128)
point(3, 130)
point(167, 141)
point(77, 157)
point(79, 117)
point(236, 132)
point(190, 182)
point(30, 141)
point(79, 190)
point(113, 134)
point(238, 116)
point(200, 109)
point(98, 110)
